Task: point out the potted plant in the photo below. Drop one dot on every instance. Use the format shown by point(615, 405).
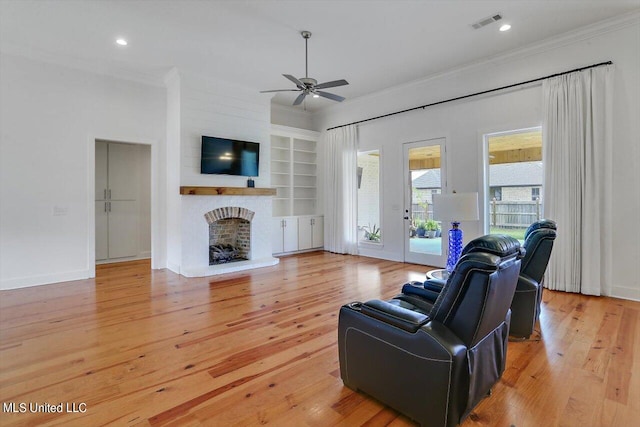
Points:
point(421, 229)
point(431, 227)
point(372, 233)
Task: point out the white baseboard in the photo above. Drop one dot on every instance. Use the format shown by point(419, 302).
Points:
point(142, 255)
point(45, 279)
point(626, 293)
point(379, 253)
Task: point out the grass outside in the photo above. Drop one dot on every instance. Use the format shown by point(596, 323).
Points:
point(517, 233)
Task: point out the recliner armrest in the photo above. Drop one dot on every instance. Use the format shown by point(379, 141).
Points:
point(420, 291)
point(526, 283)
point(399, 317)
point(435, 284)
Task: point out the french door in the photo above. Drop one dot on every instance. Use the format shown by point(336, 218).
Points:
point(424, 172)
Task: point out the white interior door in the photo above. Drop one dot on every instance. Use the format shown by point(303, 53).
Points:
point(123, 172)
point(424, 175)
point(123, 229)
point(122, 204)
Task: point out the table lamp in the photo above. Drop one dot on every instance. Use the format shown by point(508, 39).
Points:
point(455, 207)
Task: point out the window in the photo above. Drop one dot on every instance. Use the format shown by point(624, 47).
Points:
point(535, 193)
point(369, 224)
point(495, 193)
point(514, 188)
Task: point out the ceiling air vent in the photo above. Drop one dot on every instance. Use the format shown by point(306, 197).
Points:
point(486, 21)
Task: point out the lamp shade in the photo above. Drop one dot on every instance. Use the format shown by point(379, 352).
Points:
point(456, 207)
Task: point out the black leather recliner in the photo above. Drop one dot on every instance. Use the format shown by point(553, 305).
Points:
point(435, 362)
point(525, 308)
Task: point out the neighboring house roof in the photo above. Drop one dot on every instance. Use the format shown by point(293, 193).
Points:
point(523, 174)
point(429, 179)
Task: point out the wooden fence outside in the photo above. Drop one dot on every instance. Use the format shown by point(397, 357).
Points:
point(505, 214)
point(509, 214)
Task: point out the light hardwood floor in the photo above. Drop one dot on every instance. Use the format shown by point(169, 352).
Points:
point(141, 347)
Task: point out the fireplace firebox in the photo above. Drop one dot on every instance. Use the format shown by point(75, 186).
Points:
point(229, 235)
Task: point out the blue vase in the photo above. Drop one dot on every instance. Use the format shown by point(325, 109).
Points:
point(455, 246)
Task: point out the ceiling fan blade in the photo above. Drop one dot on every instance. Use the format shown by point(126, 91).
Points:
point(331, 84)
point(299, 99)
point(330, 96)
point(296, 81)
point(279, 90)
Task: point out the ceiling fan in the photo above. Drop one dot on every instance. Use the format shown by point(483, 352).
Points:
point(308, 86)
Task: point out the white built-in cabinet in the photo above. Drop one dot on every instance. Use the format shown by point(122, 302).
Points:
point(310, 232)
point(284, 235)
point(297, 233)
point(117, 200)
point(294, 174)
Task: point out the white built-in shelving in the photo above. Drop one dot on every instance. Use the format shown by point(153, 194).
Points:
point(294, 171)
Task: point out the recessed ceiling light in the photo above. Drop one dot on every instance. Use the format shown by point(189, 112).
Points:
point(315, 95)
point(121, 42)
point(505, 27)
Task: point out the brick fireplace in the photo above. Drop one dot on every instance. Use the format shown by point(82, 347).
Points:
point(198, 212)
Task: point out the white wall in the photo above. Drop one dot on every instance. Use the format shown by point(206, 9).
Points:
point(144, 190)
point(50, 117)
point(294, 117)
point(463, 123)
point(216, 108)
point(174, 207)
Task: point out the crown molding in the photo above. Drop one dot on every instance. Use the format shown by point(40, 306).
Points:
point(570, 37)
point(153, 78)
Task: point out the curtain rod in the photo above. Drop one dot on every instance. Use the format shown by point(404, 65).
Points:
point(473, 94)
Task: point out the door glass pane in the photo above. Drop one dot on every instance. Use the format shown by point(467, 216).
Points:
point(369, 225)
point(424, 168)
point(515, 192)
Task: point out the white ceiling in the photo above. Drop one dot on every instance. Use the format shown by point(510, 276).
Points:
point(372, 44)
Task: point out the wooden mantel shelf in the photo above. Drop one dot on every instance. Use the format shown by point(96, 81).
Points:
point(227, 191)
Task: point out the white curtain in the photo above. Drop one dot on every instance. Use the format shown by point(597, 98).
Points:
point(340, 190)
point(577, 131)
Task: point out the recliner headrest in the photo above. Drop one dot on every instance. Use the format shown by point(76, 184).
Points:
point(543, 223)
point(496, 244)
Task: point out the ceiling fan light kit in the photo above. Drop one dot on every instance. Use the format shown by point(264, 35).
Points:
point(307, 85)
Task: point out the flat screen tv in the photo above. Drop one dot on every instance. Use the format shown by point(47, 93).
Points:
point(229, 157)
